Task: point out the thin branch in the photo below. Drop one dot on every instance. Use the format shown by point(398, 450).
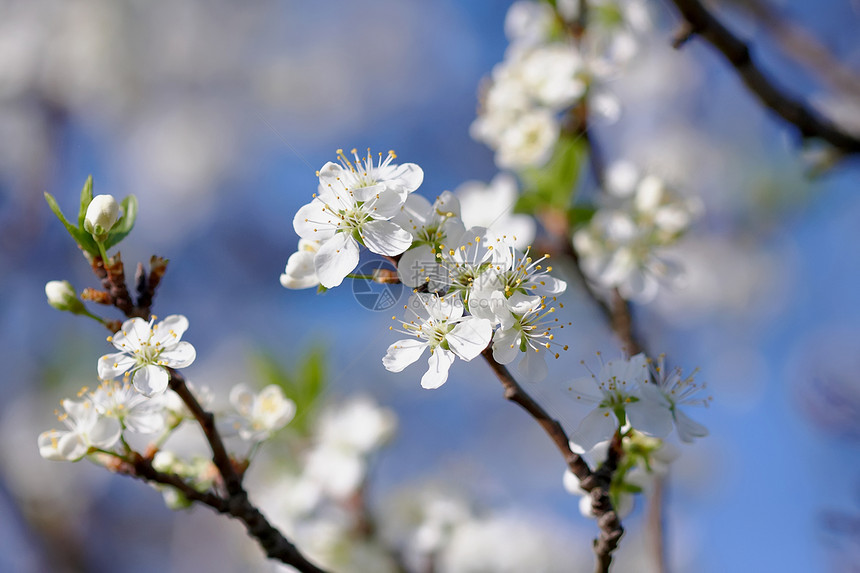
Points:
point(596, 483)
point(700, 22)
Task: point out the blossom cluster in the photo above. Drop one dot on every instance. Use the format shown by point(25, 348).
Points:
point(637, 393)
point(623, 244)
point(472, 286)
point(133, 398)
point(547, 69)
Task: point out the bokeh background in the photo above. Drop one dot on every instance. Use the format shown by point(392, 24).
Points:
point(216, 115)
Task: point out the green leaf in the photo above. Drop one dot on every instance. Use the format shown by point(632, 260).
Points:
point(86, 199)
point(553, 185)
point(578, 216)
point(303, 386)
point(81, 237)
point(125, 224)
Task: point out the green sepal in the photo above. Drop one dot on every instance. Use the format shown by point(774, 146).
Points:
point(321, 289)
point(81, 237)
point(125, 223)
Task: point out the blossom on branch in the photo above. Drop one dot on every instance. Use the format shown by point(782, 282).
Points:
point(437, 323)
point(87, 428)
point(146, 350)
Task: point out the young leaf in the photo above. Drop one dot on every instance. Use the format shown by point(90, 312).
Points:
point(86, 199)
point(553, 185)
point(125, 223)
point(81, 237)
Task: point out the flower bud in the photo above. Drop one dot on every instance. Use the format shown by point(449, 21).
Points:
point(62, 296)
point(102, 215)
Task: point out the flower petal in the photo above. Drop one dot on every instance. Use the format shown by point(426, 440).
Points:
point(585, 390)
point(403, 353)
point(470, 337)
point(506, 345)
point(409, 177)
point(688, 428)
point(336, 258)
point(169, 331)
point(299, 272)
point(533, 366)
point(104, 433)
point(649, 417)
point(417, 266)
point(439, 362)
point(112, 365)
point(179, 356)
point(242, 398)
point(150, 380)
point(597, 426)
point(385, 238)
point(314, 221)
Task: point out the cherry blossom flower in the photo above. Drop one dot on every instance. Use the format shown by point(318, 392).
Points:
point(437, 323)
point(87, 429)
point(617, 398)
point(525, 330)
point(134, 411)
point(146, 350)
point(671, 390)
point(431, 224)
point(260, 415)
point(356, 203)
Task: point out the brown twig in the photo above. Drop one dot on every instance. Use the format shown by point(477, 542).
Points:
point(596, 483)
point(700, 22)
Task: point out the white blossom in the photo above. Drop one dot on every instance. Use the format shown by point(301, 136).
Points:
point(672, 390)
point(616, 396)
point(134, 411)
point(431, 224)
point(146, 350)
point(62, 296)
point(356, 201)
point(491, 206)
point(86, 428)
point(437, 323)
point(259, 415)
point(529, 141)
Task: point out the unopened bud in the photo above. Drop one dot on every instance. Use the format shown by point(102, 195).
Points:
point(102, 215)
point(62, 296)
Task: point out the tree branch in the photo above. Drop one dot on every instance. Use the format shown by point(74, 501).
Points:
point(699, 21)
point(596, 483)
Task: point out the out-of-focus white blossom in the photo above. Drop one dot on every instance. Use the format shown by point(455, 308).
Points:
point(670, 389)
point(259, 415)
point(616, 396)
point(622, 244)
point(492, 206)
point(86, 428)
point(134, 411)
point(300, 272)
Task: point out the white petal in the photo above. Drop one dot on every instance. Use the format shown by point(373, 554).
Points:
point(417, 266)
point(470, 337)
point(410, 176)
point(170, 330)
point(650, 417)
point(133, 332)
point(180, 356)
point(112, 365)
point(71, 446)
point(336, 258)
point(439, 363)
point(299, 272)
point(242, 398)
point(520, 303)
point(105, 433)
point(533, 366)
point(385, 238)
point(314, 222)
point(414, 214)
point(447, 202)
point(368, 192)
point(688, 428)
point(386, 205)
point(49, 443)
point(403, 353)
point(571, 483)
point(506, 345)
point(597, 426)
point(150, 380)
